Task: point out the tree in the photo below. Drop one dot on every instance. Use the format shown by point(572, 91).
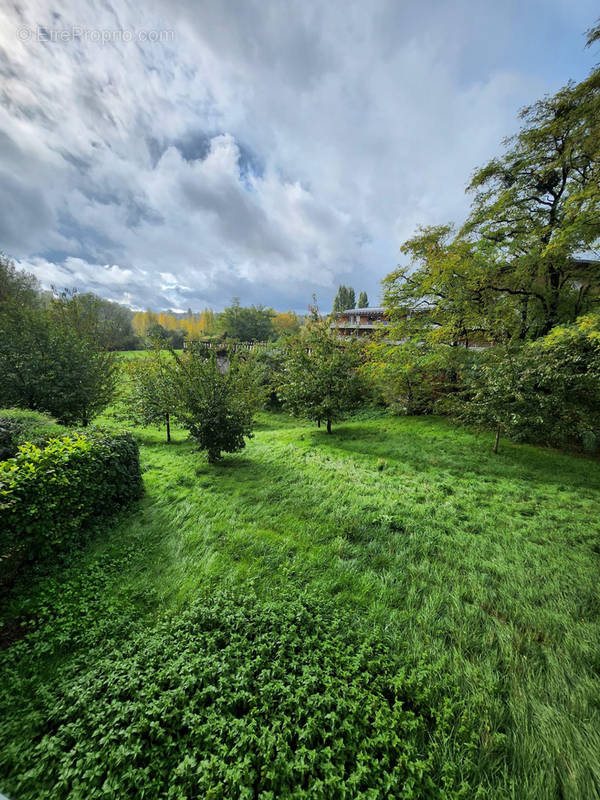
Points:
point(410, 378)
point(593, 34)
point(439, 297)
point(545, 391)
point(216, 406)
point(286, 323)
point(363, 300)
point(253, 324)
point(49, 360)
point(152, 392)
point(321, 378)
point(107, 323)
point(512, 272)
point(17, 287)
point(344, 299)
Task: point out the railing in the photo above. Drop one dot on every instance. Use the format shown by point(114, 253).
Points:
point(222, 346)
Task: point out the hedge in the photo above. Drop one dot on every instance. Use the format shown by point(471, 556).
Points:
point(49, 494)
point(19, 425)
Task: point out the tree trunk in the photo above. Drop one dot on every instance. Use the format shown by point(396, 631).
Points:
point(497, 440)
point(328, 425)
point(168, 421)
point(319, 423)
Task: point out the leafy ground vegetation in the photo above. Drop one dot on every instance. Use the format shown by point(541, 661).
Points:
point(388, 611)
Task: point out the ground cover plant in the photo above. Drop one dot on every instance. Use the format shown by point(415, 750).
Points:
point(466, 581)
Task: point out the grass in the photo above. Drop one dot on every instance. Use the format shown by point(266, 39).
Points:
point(133, 355)
point(479, 570)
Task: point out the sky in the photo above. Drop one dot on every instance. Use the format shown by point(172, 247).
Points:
point(175, 154)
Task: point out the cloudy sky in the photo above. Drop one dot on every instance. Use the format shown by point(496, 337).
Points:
point(176, 154)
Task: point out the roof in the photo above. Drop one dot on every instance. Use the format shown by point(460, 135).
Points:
point(363, 311)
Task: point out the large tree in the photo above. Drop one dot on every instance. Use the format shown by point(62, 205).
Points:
point(514, 270)
point(252, 324)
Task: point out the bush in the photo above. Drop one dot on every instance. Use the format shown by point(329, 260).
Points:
point(18, 426)
point(49, 494)
point(47, 364)
point(546, 391)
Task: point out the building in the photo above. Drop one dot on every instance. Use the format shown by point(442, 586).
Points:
point(360, 321)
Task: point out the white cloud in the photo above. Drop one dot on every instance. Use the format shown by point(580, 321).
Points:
point(269, 151)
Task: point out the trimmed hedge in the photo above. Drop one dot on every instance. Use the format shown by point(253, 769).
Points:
point(49, 494)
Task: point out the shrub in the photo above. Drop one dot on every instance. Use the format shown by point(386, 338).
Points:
point(546, 391)
point(48, 365)
point(18, 426)
point(49, 494)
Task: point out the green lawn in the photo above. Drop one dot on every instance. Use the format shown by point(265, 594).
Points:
point(479, 575)
point(132, 355)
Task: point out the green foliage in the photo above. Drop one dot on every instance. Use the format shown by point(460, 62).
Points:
point(151, 391)
point(544, 391)
point(17, 287)
point(321, 378)
point(216, 402)
point(593, 34)
point(345, 298)
point(48, 494)
point(411, 377)
point(483, 565)
point(18, 426)
point(156, 335)
point(104, 322)
point(240, 698)
point(50, 362)
point(268, 366)
point(363, 300)
point(512, 272)
point(253, 324)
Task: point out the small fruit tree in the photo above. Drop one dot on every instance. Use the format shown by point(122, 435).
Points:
point(216, 402)
point(321, 378)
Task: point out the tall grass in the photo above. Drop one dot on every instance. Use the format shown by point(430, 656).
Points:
point(486, 564)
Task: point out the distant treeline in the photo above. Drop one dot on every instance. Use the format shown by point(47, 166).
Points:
point(246, 324)
point(116, 327)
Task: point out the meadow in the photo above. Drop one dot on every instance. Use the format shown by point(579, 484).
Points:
point(389, 611)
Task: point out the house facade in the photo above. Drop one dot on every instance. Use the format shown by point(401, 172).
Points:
point(360, 321)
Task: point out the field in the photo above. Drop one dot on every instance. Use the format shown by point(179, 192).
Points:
point(318, 593)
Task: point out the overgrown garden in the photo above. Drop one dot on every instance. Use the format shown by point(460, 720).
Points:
point(300, 570)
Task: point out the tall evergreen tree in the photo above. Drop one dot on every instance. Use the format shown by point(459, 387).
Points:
point(344, 299)
point(363, 300)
